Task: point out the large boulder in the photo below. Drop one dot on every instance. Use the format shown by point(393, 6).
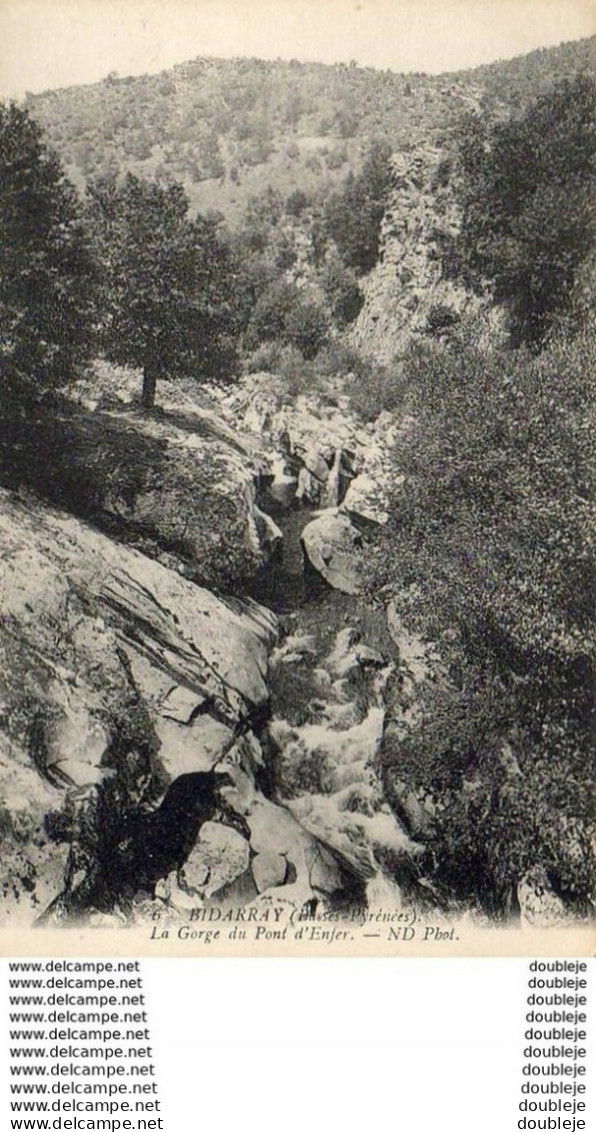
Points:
point(333, 547)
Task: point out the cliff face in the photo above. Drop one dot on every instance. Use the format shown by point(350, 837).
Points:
point(406, 292)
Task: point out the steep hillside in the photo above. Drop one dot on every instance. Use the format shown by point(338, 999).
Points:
point(229, 128)
point(514, 81)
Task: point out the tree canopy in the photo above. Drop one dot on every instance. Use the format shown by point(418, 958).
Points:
point(47, 271)
point(168, 283)
point(526, 187)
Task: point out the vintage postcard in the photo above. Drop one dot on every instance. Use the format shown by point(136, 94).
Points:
point(297, 477)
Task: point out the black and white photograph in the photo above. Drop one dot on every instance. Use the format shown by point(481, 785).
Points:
point(297, 463)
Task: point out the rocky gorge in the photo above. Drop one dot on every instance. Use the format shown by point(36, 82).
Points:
point(235, 738)
point(212, 691)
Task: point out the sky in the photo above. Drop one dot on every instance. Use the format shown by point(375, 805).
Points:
point(54, 43)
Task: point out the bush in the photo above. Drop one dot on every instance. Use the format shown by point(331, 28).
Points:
point(307, 327)
point(489, 553)
point(292, 374)
point(372, 388)
point(441, 320)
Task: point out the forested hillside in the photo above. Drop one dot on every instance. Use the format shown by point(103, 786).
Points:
point(229, 128)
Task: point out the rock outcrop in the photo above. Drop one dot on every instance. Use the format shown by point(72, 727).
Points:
point(117, 677)
point(406, 292)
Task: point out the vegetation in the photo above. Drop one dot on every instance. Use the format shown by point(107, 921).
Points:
point(489, 554)
point(167, 283)
point(353, 216)
point(527, 193)
point(47, 274)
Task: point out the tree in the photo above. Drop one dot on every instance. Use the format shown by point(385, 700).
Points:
point(168, 283)
point(343, 292)
point(353, 215)
point(47, 271)
point(527, 193)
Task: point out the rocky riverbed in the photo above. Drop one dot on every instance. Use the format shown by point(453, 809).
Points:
point(166, 745)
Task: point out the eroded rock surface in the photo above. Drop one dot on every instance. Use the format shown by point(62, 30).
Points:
point(124, 686)
point(117, 677)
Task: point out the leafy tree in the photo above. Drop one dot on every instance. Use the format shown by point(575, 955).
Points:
point(353, 215)
point(527, 191)
point(47, 270)
point(271, 311)
point(169, 283)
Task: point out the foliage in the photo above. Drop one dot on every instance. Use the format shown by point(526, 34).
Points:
point(261, 215)
point(140, 488)
point(441, 320)
point(283, 314)
point(291, 374)
point(353, 215)
point(47, 272)
point(210, 115)
point(307, 327)
point(342, 290)
point(526, 189)
point(372, 387)
point(489, 553)
point(168, 294)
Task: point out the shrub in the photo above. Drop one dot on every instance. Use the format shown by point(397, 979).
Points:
point(489, 553)
point(307, 327)
point(282, 314)
point(441, 319)
point(297, 200)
